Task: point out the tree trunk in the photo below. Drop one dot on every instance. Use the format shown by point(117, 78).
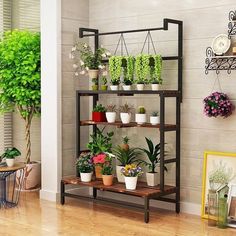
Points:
point(27, 139)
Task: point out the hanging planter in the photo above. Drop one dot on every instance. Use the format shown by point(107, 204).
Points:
point(115, 69)
point(218, 104)
point(128, 72)
point(155, 62)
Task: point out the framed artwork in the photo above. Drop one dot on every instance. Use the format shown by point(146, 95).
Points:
point(232, 206)
point(213, 161)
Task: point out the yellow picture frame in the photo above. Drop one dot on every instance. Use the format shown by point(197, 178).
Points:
point(207, 155)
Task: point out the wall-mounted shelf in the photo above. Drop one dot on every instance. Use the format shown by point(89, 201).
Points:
point(218, 63)
point(232, 24)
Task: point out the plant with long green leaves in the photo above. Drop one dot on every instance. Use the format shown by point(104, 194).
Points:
point(115, 69)
point(100, 142)
point(142, 68)
point(128, 70)
point(99, 108)
point(153, 154)
point(10, 153)
point(126, 156)
point(20, 77)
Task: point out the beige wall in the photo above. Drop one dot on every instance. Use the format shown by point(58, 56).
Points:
point(75, 14)
point(203, 20)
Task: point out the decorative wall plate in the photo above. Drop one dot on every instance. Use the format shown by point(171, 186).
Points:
point(221, 44)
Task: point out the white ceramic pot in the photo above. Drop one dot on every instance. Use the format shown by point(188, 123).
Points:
point(140, 118)
point(131, 182)
point(93, 74)
point(111, 117)
point(140, 86)
point(86, 177)
point(119, 176)
point(10, 162)
point(154, 120)
point(114, 87)
point(155, 87)
point(152, 179)
point(126, 87)
point(32, 177)
point(125, 117)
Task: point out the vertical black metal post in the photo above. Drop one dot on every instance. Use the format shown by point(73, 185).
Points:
point(62, 193)
point(146, 209)
point(180, 59)
point(77, 124)
point(162, 140)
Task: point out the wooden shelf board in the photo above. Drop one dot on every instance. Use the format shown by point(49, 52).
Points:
point(142, 189)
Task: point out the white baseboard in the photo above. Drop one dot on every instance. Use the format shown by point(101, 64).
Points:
point(190, 208)
point(49, 195)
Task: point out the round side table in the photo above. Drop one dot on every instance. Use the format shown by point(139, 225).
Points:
point(11, 179)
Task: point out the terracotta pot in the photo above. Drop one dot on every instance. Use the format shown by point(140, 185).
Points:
point(99, 116)
point(98, 172)
point(93, 74)
point(32, 177)
point(107, 180)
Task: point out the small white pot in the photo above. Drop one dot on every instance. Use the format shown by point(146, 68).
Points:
point(10, 162)
point(119, 176)
point(125, 117)
point(140, 86)
point(154, 120)
point(152, 179)
point(131, 182)
point(114, 87)
point(126, 87)
point(86, 177)
point(111, 117)
point(155, 87)
point(93, 74)
point(141, 118)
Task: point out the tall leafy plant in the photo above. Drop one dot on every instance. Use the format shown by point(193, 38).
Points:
point(128, 70)
point(20, 77)
point(142, 68)
point(115, 69)
point(156, 69)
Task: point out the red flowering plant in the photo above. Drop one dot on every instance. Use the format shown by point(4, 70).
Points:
point(218, 104)
point(99, 159)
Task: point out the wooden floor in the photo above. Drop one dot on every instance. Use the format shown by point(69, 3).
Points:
point(79, 218)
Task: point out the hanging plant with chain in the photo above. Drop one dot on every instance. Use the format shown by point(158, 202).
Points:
point(142, 68)
point(155, 69)
point(128, 70)
point(115, 69)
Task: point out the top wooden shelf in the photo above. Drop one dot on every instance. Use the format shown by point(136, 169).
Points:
point(166, 93)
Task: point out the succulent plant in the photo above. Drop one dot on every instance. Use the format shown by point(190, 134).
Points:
point(111, 108)
point(141, 110)
point(155, 113)
point(126, 108)
point(104, 80)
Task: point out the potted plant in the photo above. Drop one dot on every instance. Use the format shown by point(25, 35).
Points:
point(141, 116)
point(124, 155)
point(107, 176)
point(142, 70)
point(10, 154)
point(89, 61)
point(155, 71)
point(104, 83)
point(115, 69)
point(125, 144)
point(84, 166)
point(125, 113)
point(98, 161)
point(20, 89)
point(154, 118)
point(95, 84)
point(111, 113)
point(128, 72)
point(153, 154)
point(131, 174)
point(98, 114)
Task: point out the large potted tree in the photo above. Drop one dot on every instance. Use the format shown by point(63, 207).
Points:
point(20, 88)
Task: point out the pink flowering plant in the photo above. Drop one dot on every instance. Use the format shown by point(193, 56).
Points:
point(100, 159)
point(218, 104)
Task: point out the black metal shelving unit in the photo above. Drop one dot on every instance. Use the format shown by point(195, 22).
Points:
point(162, 94)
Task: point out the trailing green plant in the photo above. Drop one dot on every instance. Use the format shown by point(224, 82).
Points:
point(126, 156)
point(111, 108)
point(115, 69)
point(156, 69)
point(84, 164)
point(20, 77)
point(126, 108)
point(155, 113)
point(99, 108)
point(100, 142)
point(104, 80)
point(142, 68)
point(10, 153)
point(153, 154)
point(141, 110)
point(128, 70)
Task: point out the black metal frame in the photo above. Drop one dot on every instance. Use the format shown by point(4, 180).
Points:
point(163, 94)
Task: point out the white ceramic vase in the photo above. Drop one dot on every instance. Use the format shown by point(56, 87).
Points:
point(140, 87)
point(10, 162)
point(126, 87)
point(111, 117)
point(152, 179)
point(154, 120)
point(125, 117)
point(114, 87)
point(155, 87)
point(140, 118)
point(86, 177)
point(131, 182)
point(93, 74)
point(119, 176)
